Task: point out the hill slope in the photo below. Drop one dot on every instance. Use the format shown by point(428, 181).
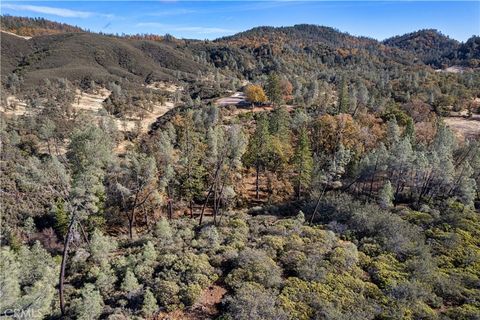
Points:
point(30, 27)
point(97, 57)
point(436, 49)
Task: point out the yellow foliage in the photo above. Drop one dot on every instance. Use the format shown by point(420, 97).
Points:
point(255, 94)
point(387, 270)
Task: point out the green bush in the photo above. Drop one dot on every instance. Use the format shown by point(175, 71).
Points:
point(254, 265)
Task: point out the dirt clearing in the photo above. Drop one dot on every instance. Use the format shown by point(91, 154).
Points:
point(464, 128)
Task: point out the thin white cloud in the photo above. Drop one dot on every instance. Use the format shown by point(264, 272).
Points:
point(172, 12)
point(174, 28)
point(60, 12)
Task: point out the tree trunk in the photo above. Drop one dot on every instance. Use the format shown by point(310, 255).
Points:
point(205, 204)
point(318, 204)
point(214, 183)
point(61, 279)
point(217, 209)
point(373, 178)
point(131, 219)
point(299, 190)
point(170, 203)
point(257, 168)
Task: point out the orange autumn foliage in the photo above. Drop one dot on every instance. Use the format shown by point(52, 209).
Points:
point(356, 135)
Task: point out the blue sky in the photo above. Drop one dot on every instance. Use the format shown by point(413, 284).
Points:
point(212, 19)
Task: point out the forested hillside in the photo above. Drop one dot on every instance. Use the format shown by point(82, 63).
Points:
point(430, 46)
point(339, 180)
point(34, 27)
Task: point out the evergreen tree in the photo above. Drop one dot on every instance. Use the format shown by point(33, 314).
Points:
point(130, 284)
point(89, 305)
point(280, 122)
point(101, 247)
point(27, 281)
point(192, 171)
point(166, 161)
point(385, 195)
point(410, 131)
point(258, 149)
point(393, 132)
point(302, 163)
point(401, 160)
point(134, 185)
point(61, 218)
point(273, 89)
point(149, 306)
point(105, 278)
point(89, 153)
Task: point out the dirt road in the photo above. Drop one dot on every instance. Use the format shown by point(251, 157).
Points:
point(233, 100)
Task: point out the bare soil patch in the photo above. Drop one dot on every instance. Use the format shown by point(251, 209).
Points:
point(464, 128)
point(14, 107)
point(90, 101)
point(205, 308)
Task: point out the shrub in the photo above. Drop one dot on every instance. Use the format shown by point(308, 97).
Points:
point(191, 293)
point(167, 293)
point(254, 265)
point(163, 231)
point(252, 301)
point(101, 246)
point(89, 305)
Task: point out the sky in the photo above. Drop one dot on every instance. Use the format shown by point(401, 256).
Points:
point(212, 19)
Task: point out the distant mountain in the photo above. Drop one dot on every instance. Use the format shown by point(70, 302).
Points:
point(302, 49)
point(302, 34)
point(436, 49)
point(30, 27)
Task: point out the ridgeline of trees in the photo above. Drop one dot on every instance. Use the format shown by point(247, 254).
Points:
point(31, 27)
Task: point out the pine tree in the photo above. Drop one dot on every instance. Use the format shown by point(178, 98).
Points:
point(105, 278)
point(273, 89)
point(130, 284)
point(258, 149)
point(280, 122)
point(134, 184)
point(385, 195)
point(61, 218)
point(149, 306)
point(393, 132)
point(101, 246)
point(163, 231)
point(89, 305)
point(166, 161)
point(89, 153)
point(302, 163)
point(401, 161)
point(192, 171)
point(28, 280)
point(410, 131)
